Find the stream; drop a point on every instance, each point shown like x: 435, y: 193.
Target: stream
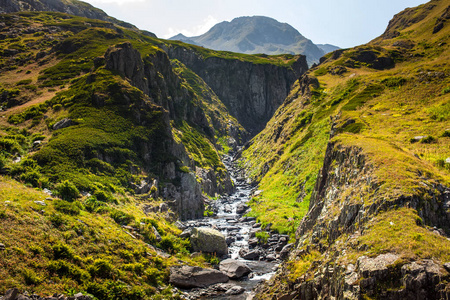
x: 239, y: 231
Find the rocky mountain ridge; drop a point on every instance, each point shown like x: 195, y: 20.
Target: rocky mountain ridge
x: 72, y: 7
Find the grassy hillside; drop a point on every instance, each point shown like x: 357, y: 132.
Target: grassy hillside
x: 72, y: 219
x: 379, y: 96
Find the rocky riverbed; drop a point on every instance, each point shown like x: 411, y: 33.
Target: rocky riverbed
x: 260, y: 256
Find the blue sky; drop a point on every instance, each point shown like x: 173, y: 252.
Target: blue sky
x: 345, y: 23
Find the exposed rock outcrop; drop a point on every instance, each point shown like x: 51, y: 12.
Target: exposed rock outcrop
x: 154, y: 76
x: 337, y: 208
x: 251, y: 91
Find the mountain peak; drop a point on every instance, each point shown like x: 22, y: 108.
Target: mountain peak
x: 256, y: 34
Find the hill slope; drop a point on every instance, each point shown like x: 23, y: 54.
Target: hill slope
x: 105, y: 141
x: 256, y: 34
x: 72, y: 7
x: 356, y: 163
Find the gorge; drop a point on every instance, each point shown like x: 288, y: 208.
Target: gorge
x: 115, y: 153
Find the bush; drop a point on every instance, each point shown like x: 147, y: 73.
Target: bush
x: 91, y: 204
x: 102, y: 268
x: 66, y: 190
x: 57, y: 220
x: 30, y: 277
x: 66, y: 269
x: 262, y: 236
x: 121, y: 217
x: 427, y: 140
x: 62, y: 251
x: 70, y: 208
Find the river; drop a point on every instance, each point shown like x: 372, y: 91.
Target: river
x: 240, y: 234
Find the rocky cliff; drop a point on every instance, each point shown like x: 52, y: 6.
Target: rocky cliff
x: 251, y: 91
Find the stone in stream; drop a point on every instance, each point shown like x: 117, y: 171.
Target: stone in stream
x: 208, y: 240
x: 230, y: 240
x: 233, y: 268
x: 241, y: 209
x: 249, y: 255
x: 192, y: 277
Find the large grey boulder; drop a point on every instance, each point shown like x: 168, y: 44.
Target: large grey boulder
x: 208, y: 240
x: 234, y: 268
x: 192, y: 277
x: 66, y: 122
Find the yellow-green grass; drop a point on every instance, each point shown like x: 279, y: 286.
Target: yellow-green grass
x: 400, y: 231
x: 49, y: 251
x: 388, y: 108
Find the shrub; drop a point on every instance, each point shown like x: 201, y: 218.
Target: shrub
x: 121, y: 217
x: 57, y: 220
x: 102, y: 268
x: 393, y: 82
x: 262, y: 236
x: 30, y: 277
x: 66, y: 269
x: 66, y: 190
x: 24, y: 82
x: 70, y: 208
x: 91, y: 204
x: 62, y: 251
x: 427, y: 140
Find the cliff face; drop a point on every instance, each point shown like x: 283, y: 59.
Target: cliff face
x: 251, y: 92
x: 347, y: 197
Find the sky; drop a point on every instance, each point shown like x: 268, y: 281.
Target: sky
x: 344, y: 23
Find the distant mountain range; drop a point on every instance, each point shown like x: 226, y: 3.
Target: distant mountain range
x: 258, y: 34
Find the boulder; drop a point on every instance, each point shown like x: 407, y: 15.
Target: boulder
x: 241, y: 208
x: 233, y: 268
x: 11, y: 294
x: 250, y: 255
x: 286, y: 250
x: 208, y: 240
x: 192, y: 277
x: 66, y: 122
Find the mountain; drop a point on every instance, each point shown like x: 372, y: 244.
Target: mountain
x: 327, y: 48
x: 108, y: 136
x: 72, y: 7
x: 355, y: 165
x: 256, y: 34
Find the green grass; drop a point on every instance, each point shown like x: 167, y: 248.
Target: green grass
x: 401, y: 231
x: 87, y: 252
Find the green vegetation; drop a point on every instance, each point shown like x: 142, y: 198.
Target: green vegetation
x: 68, y: 248
x: 401, y: 231
x: 262, y: 236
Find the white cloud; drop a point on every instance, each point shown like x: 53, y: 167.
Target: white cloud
x: 207, y: 23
